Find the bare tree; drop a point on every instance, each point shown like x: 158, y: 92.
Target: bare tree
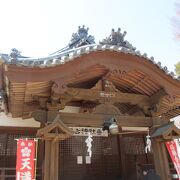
x: 176, y: 25
x: 176, y: 21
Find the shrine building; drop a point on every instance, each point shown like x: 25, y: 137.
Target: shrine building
x: 108, y: 90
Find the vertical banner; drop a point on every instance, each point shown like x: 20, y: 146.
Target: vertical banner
x: 25, y: 163
x: 172, y: 148
x: 177, y: 141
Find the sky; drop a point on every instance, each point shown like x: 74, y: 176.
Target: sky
x: 40, y: 27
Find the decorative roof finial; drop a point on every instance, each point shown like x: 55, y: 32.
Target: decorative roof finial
x: 14, y: 54
x: 117, y: 38
x: 81, y: 37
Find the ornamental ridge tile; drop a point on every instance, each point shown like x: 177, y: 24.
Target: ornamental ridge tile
x: 82, y: 43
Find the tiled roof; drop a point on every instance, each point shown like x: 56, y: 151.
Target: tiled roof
x: 81, y: 43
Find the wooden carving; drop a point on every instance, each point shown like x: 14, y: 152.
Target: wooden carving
x: 40, y: 116
x: 155, y: 103
x: 106, y: 109
x: 108, y: 86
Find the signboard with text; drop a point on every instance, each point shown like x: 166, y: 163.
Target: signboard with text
x: 83, y: 131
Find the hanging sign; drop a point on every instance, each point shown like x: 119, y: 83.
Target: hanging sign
x: 25, y: 163
x: 84, y: 131
x: 107, y: 94
x: 172, y: 148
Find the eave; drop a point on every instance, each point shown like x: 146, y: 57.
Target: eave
x: 129, y: 72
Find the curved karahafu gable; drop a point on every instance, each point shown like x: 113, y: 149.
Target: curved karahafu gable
x: 130, y: 73
x: 82, y: 64
x: 113, y: 61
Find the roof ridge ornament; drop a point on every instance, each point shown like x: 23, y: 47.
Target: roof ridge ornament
x: 14, y: 54
x: 117, y: 38
x: 81, y: 37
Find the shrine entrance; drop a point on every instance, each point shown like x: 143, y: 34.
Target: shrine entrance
x: 105, y: 162
x: 113, y: 158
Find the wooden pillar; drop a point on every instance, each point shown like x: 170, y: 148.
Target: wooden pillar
x: 161, y: 159
x: 47, y: 163
x: 41, y: 156
x: 122, y: 156
x: 51, y: 160
x: 56, y: 162
x: 52, y: 134
x: 165, y: 160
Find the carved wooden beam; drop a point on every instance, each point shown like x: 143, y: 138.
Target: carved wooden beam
x: 155, y: 102
x: 77, y: 94
x: 149, y: 105
x: 96, y: 120
x: 157, y: 99
x: 85, y: 119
